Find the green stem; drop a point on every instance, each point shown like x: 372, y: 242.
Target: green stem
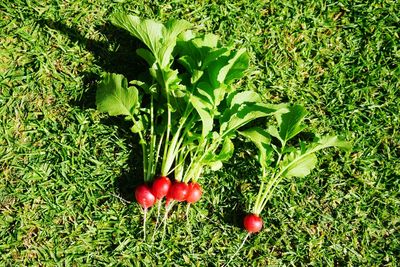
x: 179, y: 166
x: 278, y: 178
x: 166, y: 145
x: 144, y: 151
x: 264, y: 194
x: 194, y: 160
x: 268, y: 194
x: 171, y: 152
x: 153, y: 139
x: 176, y: 142
x: 204, y: 149
x: 160, y: 142
x: 258, y: 204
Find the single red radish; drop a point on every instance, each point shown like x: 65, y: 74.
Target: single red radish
x: 144, y: 196
x: 161, y: 186
x: 194, y: 193
x: 146, y: 199
x: 178, y: 191
x: 160, y: 189
x: 252, y: 223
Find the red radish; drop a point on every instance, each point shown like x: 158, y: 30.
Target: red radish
x: 144, y: 196
x: 178, y: 191
x: 194, y: 193
x: 161, y: 187
x: 252, y: 223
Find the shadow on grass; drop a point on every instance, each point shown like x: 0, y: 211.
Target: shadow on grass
x: 132, y: 176
x: 123, y: 60
x: 116, y: 55
x: 237, y: 175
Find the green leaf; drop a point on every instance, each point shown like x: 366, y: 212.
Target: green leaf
x: 301, y: 162
x: 332, y: 141
x: 298, y: 165
x: 138, y: 126
x: 159, y: 38
x: 273, y: 131
x: 206, y: 99
x: 148, y: 31
x: 224, y: 155
x: 175, y: 27
x: 202, y: 107
x: 239, y: 116
x: 196, y: 76
x: 214, y: 69
x: 211, y: 56
x: 257, y: 135
x: 216, y: 165
x: 289, y: 123
x: 197, y: 53
x: 235, y: 68
x: 115, y: 97
x: 146, y: 55
x: 227, y: 150
x: 212, y: 95
x: 262, y: 140
x: 207, y: 40
x: 238, y: 98
x: 189, y: 63
x: 172, y: 29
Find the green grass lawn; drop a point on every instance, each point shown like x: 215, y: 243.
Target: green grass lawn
x: 63, y: 164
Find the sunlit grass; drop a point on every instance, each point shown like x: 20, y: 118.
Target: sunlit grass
x: 64, y: 167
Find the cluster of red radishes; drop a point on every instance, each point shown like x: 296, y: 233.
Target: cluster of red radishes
x: 148, y: 195
x: 162, y: 187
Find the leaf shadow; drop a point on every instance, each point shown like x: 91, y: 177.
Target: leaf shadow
x: 131, y: 177
x: 237, y: 177
x: 115, y: 54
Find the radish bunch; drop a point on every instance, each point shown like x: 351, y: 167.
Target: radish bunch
x: 162, y: 187
x: 187, y: 109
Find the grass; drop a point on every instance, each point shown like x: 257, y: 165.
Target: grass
x: 62, y: 163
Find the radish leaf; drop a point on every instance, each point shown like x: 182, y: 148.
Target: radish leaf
x: 235, y: 68
x: 146, y: 30
x: 289, y: 123
x: 115, y: 97
x: 300, y: 163
x: 239, y: 115
x: 159, y: 38
x: 262, y: 140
